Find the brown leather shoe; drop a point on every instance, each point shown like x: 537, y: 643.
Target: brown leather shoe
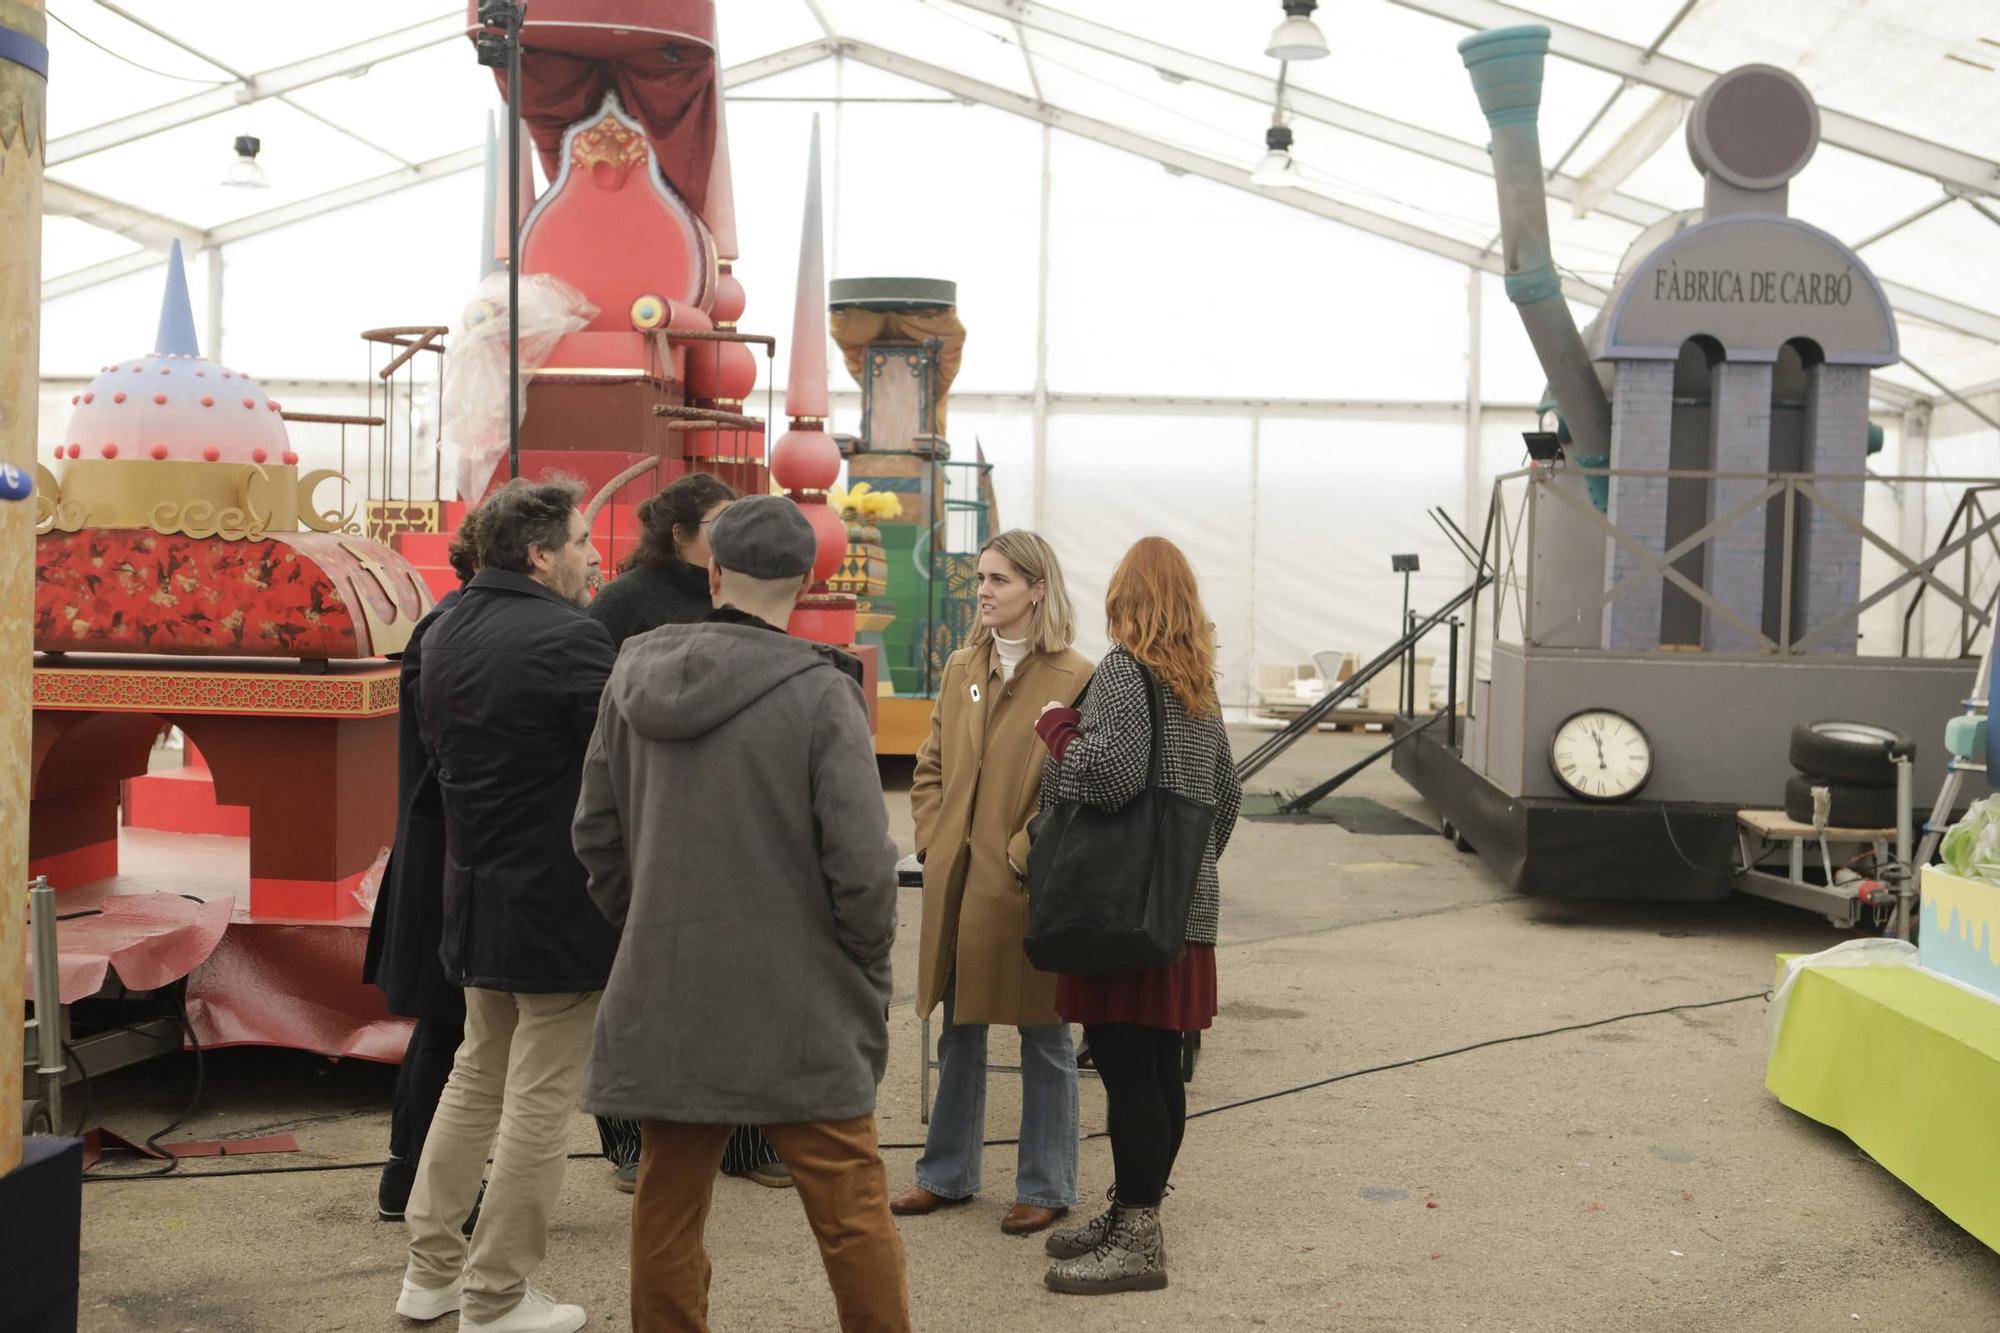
x: 1025, y: 1219
x: 920, y: 1202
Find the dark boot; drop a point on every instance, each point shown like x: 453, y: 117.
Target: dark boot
x: 392, y: 1194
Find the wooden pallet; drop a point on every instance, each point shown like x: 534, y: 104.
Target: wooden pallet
x: 1341, y: 719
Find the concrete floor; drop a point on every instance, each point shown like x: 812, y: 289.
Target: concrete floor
x: 1632, y: 1176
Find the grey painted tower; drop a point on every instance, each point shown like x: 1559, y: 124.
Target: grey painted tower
x: 1737, y: 340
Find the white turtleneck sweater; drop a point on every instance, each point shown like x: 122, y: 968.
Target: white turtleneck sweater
x: 1012, y: 653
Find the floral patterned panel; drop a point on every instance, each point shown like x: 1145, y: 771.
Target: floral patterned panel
x: 134, y: 591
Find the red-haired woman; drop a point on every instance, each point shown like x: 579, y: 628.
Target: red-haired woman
x: 1134, y: 1020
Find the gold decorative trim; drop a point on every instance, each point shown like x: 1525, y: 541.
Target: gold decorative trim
x: 370, y: 692
x: 331, y: 520
x: 233, y: 501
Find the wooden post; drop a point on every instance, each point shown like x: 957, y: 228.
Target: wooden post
x: 23, y: 83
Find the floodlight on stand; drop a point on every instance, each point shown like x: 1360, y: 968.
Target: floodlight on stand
x: 1544, y: 446
x: 1298, y: 37
x: 245, y: 172
x: 1277, y: 166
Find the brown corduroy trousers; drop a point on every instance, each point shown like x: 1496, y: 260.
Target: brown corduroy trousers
x: 837, y: 1168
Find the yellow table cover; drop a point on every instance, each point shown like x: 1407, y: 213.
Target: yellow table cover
x: 1907, y: 1065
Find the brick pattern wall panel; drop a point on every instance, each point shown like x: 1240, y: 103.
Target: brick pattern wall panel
x: 1741, y: 419
x: 1829, y: 552
x: 1641, y: 438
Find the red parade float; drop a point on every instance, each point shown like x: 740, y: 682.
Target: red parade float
x: 187, y: 579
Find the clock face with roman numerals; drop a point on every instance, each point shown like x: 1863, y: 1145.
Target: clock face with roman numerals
x: 1601, y: 755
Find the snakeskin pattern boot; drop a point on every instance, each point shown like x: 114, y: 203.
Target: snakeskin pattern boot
x: 1076, y: 1241
x: 1132, y: 1257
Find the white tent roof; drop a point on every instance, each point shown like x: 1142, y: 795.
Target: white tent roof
x: 145, y: 96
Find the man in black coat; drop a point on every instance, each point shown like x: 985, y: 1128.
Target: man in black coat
x: 408, y: 923
x: 509, y: 693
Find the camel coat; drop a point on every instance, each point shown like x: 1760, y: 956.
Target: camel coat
x: 978, y: 782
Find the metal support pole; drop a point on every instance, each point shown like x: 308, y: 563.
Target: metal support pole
x: 48, y: 998
x: 1906, y: 874
x: 1409, y: 691
x: 1451, y: 688
x: 514, y: 19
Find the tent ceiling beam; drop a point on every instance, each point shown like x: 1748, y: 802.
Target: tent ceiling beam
x: 1300, y: 103
x: 1902, y: 222
x: 1180, y: 159
x: 1947, y: 166
x: 149, y: 229
x: 1654, y: 127
x: 1303, y: 104
x: 1933, y: 309
x: 247, y: 80
x: 269, y: 83
x: 736, y: 76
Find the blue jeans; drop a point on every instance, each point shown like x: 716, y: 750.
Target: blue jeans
x: 1046, y: 1171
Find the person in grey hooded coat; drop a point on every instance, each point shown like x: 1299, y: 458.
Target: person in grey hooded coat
x: 732, y: 824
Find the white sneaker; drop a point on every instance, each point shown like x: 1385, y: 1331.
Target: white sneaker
x: 424, y: 1304
x: 535, y: 1314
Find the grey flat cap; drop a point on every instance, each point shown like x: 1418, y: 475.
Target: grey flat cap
x: 764, y: 536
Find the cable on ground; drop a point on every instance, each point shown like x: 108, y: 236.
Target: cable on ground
x: 1292, y: 1091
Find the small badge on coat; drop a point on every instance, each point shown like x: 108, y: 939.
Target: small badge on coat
x: 975, y: 694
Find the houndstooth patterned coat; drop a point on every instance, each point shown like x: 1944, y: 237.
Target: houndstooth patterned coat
x: 1105, y: 766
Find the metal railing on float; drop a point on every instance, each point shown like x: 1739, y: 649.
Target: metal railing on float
x: 1797, y: 498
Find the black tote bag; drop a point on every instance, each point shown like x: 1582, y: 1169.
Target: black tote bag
x: 1108, y: 890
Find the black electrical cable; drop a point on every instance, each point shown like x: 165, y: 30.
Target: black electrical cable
x: 1192, y: 1115
x: 1668, y: 825
x: 83, y: 1082
x: 160, y: 73
x: 152, y: 1142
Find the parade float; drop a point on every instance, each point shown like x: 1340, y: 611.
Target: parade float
x: 1690, y: 537
x: 194, y: 584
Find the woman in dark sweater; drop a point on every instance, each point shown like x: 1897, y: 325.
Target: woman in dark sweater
x: 665, y: 582
x: 1134, y: 1020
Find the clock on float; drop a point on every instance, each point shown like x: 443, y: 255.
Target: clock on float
x: 1600, y: 754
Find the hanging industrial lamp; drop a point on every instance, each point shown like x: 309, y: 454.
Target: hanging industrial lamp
x: 1277, y: 166
x: 245, y: 171
x: 1298, y: 37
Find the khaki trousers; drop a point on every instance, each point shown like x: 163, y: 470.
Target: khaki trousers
x: 837, y: 1168
x: 516, y: 1076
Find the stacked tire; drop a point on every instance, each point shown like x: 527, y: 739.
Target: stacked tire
x: 1852, y: 761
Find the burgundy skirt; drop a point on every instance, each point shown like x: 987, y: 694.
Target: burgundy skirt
x: 1179, y: 996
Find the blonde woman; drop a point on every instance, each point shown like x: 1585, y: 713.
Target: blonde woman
x: 1099, y: 755
x: 978, y: 783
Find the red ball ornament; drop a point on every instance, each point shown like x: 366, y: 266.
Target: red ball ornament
x: 258, y: 455
x: 831, y: 532
x: 249, y: 402
x: 210, y: 452
x: 159, y: 451
x: 805, y: 460
x: 291, y: 459
x: 730, y: 298
x: 109, y: 450
x: 91, y: 397
x: 75, y: 398
x: 160, y: 400
x: 76, y: 451
x: 118, y: 397
x: 208, y: 400
x: 721, y: 370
